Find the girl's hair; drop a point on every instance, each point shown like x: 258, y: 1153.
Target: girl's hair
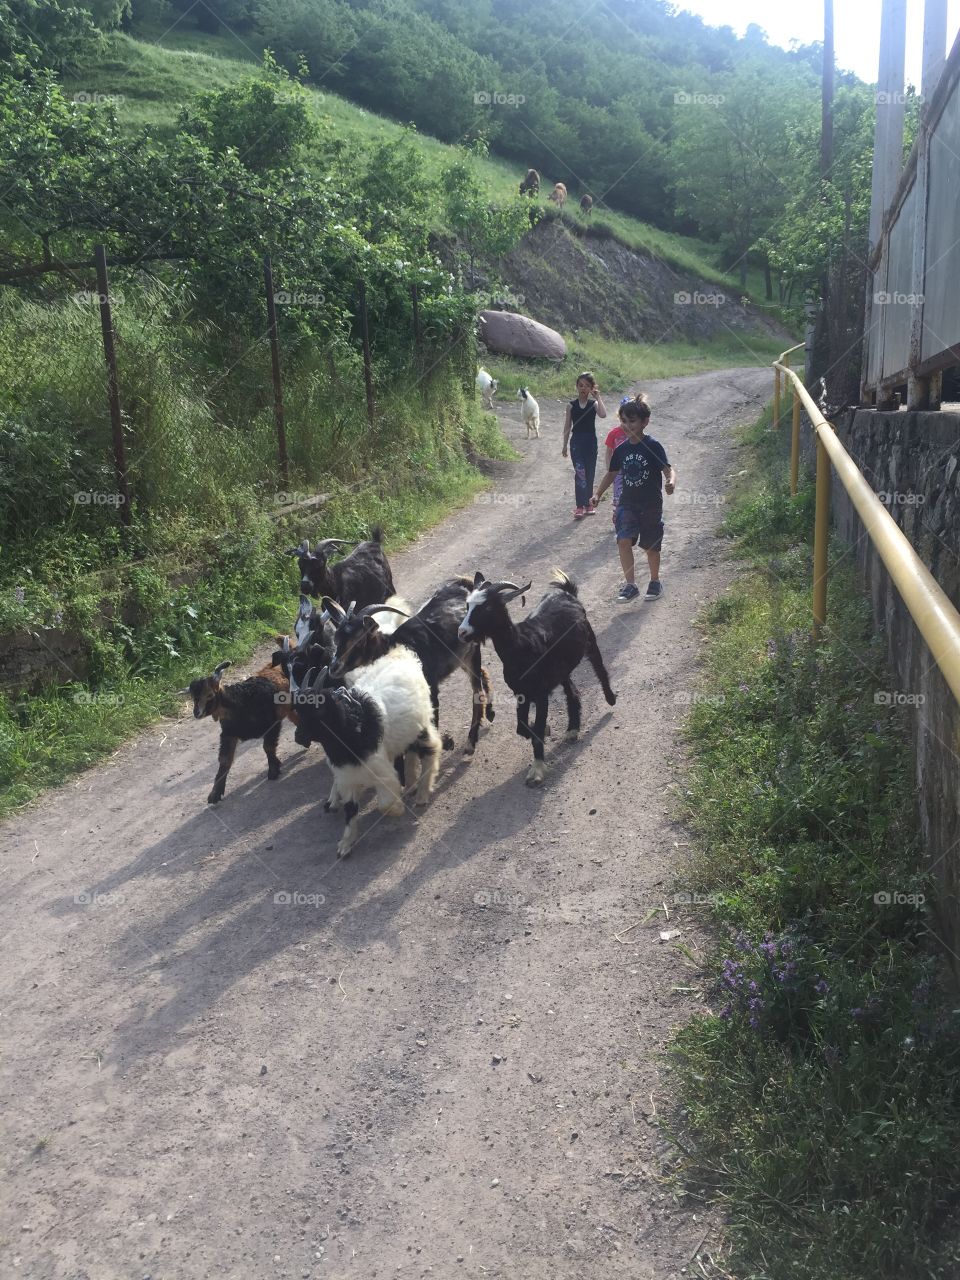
x: 637, y: 408
x: 588, y: 376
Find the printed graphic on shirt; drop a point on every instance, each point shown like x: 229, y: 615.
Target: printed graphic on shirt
x: 640, y: 467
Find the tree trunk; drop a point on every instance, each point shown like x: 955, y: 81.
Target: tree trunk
x: 767, y: 280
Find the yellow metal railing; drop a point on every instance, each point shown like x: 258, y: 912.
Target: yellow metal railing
x: 931, y: 609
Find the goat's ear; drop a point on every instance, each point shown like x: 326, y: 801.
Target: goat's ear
x: 478, y: 579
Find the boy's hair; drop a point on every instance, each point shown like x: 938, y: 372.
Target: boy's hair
x: 588, y: 376
x: 636, y: 409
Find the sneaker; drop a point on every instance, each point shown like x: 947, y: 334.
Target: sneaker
x: 654, y: 591
x: 590, y: 510
x: 579, y: 513
x: 629, y: 591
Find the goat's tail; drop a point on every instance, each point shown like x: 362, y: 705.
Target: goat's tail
x: 595, y: 658
x: 561, y: 580
x: 376, y: 533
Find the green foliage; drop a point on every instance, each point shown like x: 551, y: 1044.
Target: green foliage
x: 486, y: 231
x: 819, y: 1096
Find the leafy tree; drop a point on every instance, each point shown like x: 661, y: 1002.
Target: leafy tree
x: 485, y: 231
x: 735, y: 151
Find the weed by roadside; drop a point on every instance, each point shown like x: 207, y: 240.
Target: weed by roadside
x: 819, y: 1098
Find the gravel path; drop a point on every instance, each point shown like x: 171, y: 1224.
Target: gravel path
x: 433, y: 1059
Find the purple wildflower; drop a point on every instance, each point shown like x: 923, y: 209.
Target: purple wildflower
x: 822, y: 987
x: 19, y: 594
x: 726, y: 1012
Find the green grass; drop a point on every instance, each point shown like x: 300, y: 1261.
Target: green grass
x: 819, y: 1098
x: 155, y: 80
x: 618, y: 365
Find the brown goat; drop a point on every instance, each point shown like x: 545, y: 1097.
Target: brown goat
x: 251, y: 708
x: 530, y: 186
x: 558, y: 195
x: 586, y: 205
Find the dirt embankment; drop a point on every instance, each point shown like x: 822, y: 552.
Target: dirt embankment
x: 584, y: 282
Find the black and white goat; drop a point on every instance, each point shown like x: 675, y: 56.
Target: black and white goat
x: 538, y: 654
x: 363, y: 576
x: 251, y: 708
x: 433, y: 635
x: 383, y: 714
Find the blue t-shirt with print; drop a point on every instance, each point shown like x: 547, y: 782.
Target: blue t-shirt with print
x: 640, y: 466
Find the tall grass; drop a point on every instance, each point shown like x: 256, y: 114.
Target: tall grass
x: 819, y: 1095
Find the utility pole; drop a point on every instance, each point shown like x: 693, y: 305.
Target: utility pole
x: 888, y: 135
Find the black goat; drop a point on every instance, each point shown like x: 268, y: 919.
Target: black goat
x: 363, y: 576
x: 432, y: 634
x: 538, y: 653
x: 251, y: 708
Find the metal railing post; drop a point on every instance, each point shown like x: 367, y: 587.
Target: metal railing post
x: 795, y: 444
x: 776, y: 398
x: 821, y: 539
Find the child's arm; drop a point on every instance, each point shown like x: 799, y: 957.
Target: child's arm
x: 604, y: 485
x: 601, y: 407
x: 567, y: 424
x: 670, y: 479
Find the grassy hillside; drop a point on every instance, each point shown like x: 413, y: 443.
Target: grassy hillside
x: 152, y: 79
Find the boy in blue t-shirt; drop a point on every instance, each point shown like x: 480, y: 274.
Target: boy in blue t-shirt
x: 642, y: 465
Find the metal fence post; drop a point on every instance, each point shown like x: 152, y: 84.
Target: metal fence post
x: 367, y: 364
x: 113, y: 384
x: 278, y: 416
x: 795, y: 443
x: 776, y: 398
x: 821, y: 536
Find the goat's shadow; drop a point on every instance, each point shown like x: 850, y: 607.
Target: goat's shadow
x: 256, y: 895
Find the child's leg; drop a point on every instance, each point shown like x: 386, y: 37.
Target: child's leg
x: 582, y: 494
x: 653, y: 560
x: 625, y: 547
x: 590, y: 468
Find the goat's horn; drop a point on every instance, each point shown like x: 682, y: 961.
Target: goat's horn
x: 218, y: 671
x: 369, y: 610
x: 334, y: 605
x: 286, y: 644
x: 333, y: 542
x: 182, y: 693
x: 504, y: 586
x: 353, y: 605
x: 509, y: 591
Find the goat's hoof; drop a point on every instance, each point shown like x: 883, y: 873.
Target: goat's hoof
x: 331, y: 806
x: 448, y: 742
x: 572, y: 735
x: 343, y: 853
x: 273, y: 773
x: 536, y: 774
x: 395, y: 810
x: 214, y: 797
x: 469, y: 750
x: 421, y: 802
x: 489, y: 713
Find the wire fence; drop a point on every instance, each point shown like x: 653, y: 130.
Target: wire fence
x: 121, y: 402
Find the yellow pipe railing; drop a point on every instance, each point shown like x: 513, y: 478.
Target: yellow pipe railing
x: 932, y: 611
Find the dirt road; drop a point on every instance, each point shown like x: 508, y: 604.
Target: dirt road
x: 224, y: 1054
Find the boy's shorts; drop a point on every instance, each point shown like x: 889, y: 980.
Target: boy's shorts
x: 643, y: 527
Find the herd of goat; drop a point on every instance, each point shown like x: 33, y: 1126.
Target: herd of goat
x: 360, y: 675
x: 530, y: 186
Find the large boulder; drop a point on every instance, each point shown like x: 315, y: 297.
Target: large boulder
x: 511, y: 334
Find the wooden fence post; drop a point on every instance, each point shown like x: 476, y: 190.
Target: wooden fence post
x: 278, y: 416
x: 113, y: 384
x: 367, y: 364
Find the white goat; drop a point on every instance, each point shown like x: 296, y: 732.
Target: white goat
x: 383, y: 713
x: 487, y: 386
x: 529, y: 412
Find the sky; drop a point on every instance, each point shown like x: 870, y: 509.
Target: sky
x: 856, y: 25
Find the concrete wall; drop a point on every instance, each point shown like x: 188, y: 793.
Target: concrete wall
x: 914, y: 460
